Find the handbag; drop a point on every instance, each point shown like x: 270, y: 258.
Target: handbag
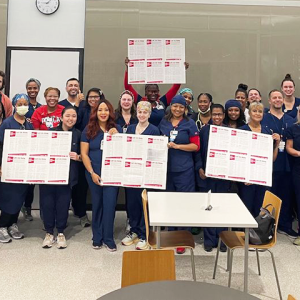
x: 265, y: 231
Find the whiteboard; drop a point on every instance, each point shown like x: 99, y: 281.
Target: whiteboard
x: 51, y: 68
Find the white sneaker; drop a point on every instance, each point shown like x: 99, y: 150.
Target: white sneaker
x: 129, y: 239
x: 4, y: 236
x: 48, y: 241
x: 142, y: 245
x: 61, y: 241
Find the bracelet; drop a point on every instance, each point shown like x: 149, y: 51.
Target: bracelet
x: 92, y: 172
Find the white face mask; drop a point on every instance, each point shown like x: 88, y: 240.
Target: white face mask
x: 22, y: 110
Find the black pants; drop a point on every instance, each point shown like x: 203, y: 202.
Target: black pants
x: 6, y: 220
x: 79, y: 193
x: 29, y: 196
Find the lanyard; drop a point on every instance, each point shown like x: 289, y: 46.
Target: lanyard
x: 282, y: 126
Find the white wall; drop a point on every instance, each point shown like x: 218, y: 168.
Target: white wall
x: 27, y: 27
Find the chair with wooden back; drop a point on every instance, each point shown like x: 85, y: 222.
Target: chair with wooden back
x: 169, y: 239
x: 236, y: 239
x: 147, y: 265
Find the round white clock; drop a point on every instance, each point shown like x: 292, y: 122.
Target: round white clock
x: 47, y: 7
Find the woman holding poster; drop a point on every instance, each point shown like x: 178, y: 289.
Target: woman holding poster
x: 104, y: 198
x: 12, y: 195
x: 251, y: 194
x: 134, y: 199
x: 55, y: 199
x: 183, y: 141
x: 206, y: 184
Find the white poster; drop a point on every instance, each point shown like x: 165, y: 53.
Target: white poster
x: 36, y: 157
x: 156, y: 61
x: 138, y: 161
x: 240, y: 155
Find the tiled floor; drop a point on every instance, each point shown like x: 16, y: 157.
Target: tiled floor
x: 80, y: 272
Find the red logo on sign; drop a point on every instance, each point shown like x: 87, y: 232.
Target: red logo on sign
x: 214, y: 129
x: 109, y: 138
x: 12, y: 133
x: 34, y: 134
x: 149, y: 42
x: 167, y: 64
x: 54, y: 135
x: 149, y: 64
x: 131, y: 64
x: 31, y: 160
x: 254, y: 136
x: 10, y: 159
x: 252, y: 161
x: 233, y: 132
x: 107, y: 163
x: 129, y: 139
x: 232, y: 157
x: 211, y: 154
x: 52, y: 160
x: 148, y: 164
x: 131, y: 42
x: 127, y: 164
x: 150, y: 141
x: 168, y: 42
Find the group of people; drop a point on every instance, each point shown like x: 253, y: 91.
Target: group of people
x: 170, y: 115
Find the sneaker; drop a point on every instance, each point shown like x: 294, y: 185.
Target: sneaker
x: 297, y: 241
x: 14, y: 232
x: 48, y: 241
x: 96, y: 246
x: 26, y: 211
x: 142, y: 245
x: 85, y: 222
x: 208, y: 248
x: 290, y: 233
x: 129, y: 239
x: 223, y: 248
x: 4, y: 236
x: 111, y: 249
x: 61, y: 241
x: 180, y: 250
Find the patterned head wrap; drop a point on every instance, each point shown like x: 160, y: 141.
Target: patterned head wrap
x: 17, y: 97
x: 187, y: 90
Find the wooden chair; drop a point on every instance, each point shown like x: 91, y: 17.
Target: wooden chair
x: 147, y: 265
x: 290, y: 297
x: 236, y: 239
x: 169, y: 239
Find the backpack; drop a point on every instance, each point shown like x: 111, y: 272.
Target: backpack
x: 265, y: 231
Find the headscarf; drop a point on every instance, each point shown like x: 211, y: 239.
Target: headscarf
x: 17, y: 97
x: 187, y: 90
x: 233, y: 103
x: 178, y: 99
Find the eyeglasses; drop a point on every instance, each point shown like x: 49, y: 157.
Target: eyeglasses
x: 94, y: 97
x: 216, y: 115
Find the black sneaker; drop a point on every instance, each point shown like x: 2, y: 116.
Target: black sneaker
x: 208, y: 248
x: 289, y: 232
x: 223, y: 248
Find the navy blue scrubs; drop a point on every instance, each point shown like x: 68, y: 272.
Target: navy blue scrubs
x: 12, y: 195
x: 282, y: 183
x: 293, y: 133
x: 31, y: 110
x: 55, y: 199
x: 120, y: 121
x: 104, y: 198
x: 211, y: 234
x: 134, y: 200
x: 180, y: 174
x: 253, y: 195
x: 293, y: 112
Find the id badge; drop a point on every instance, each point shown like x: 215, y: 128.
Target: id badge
x: 281, y: 146
x: 173, y: 135
x: 101, y: 145
x: 124, y: 129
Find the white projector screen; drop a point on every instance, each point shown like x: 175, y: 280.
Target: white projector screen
x: 51, y: 68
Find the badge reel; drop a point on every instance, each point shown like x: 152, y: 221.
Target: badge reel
x: 281, y: 146
x: 101, y: 145
x: 173, y: 135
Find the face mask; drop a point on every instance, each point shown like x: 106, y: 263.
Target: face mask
x: 203, y: 112
x: 22, y: 110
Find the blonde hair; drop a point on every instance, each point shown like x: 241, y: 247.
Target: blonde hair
x: 144, y: 105
x: 256, y: 104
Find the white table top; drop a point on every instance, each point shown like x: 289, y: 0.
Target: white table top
x: 188, y: 210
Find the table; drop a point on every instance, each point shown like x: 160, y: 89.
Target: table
x: 177, y: 290
x: 188, y: 210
